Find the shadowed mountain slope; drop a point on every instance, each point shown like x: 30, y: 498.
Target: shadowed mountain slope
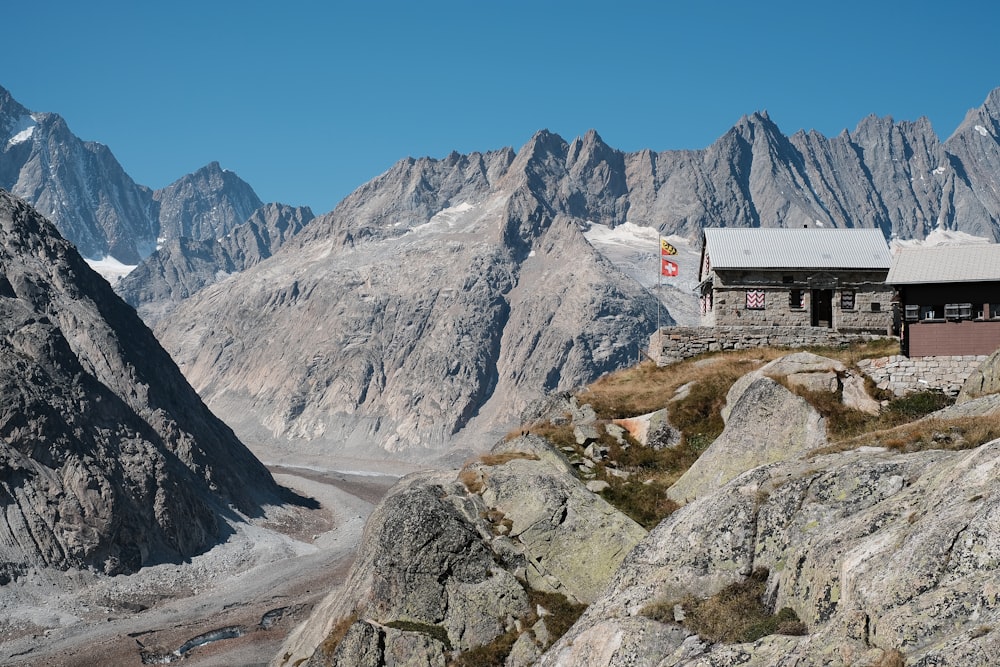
x: 109, y: 458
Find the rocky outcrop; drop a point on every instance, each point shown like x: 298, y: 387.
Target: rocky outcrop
x: 883, y: 556
x: 983, y: 381
x: 447, y: 563
x: 109, y: 460
x: 767, y: 423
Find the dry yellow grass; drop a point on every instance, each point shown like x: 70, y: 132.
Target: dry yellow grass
x: 506, y: 457
x: 646, y: 387
x: 930, y: 433
x: 474, y: 479
x: 891, y: 658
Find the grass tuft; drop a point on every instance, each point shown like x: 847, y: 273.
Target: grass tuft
x: 891, y: 658
x: 734, y: 615
x: 435, y: 631
x: 506, y: 457
x: 337, y: 634
x: 562, y: 613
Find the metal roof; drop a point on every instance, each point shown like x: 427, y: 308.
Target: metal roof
x: 797, y: 248
x: 945, y: 264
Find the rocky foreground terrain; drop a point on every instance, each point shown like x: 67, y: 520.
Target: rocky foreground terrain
x: 872, y: 555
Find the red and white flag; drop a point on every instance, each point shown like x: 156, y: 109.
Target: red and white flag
x: 668, y: 268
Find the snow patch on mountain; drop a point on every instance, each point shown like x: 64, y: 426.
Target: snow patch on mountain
x: 635, y: 251
x: 110, y: 268
x: 449, y: 219
x: 940, y: 236
x: 22, y: 130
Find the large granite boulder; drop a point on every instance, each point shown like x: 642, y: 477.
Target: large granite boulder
x: 984, y: 380
x: 446, y: 561
x: 767, y: 423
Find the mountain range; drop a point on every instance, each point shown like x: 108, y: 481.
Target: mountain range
x: 439, y: 299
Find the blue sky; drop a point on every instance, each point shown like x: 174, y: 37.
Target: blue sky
x: 308, y: 100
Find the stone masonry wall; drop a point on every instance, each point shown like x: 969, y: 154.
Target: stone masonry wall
x: 869, y: 309
x: 899, y: 374
x: 671, y: 344
x: 903, y: 375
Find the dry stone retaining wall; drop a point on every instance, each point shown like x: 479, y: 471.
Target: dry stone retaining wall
x: 672, y: 344
x: 899, y: 374
x: 903, y: 375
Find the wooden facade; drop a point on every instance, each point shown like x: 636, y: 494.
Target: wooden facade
x: 950, y: 319
x: 949, y: 299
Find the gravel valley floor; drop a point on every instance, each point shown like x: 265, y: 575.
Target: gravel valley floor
x: 259, y: 584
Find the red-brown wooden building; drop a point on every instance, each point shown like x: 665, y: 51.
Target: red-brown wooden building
x: 949, y: 299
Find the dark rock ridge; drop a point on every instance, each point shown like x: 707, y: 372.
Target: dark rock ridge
x: 108, y: 458
x: 182, y: 266
x: 85, y: 192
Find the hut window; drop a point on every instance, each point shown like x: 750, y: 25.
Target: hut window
x: 847, y: 299
x: 958, y: 311
x: 795, y: 299
x: 876, y: 307
x: 755, y: 299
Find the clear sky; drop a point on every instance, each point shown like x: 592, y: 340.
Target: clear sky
x: 306, y: 100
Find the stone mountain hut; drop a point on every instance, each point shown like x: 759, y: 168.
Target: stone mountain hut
x: 809, y: 277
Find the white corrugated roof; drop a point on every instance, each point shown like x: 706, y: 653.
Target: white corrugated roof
x: 797, y: 248
x: 978, y: 262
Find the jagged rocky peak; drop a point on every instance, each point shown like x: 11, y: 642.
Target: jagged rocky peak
x: 78, y: 185
x: 436, y: 269
x: 205, y: 204
x: 410, y: 193
x: 983, y: 120
x: 108, y: 458
x: 600, y: 179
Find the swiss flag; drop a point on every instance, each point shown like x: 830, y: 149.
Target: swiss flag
x: 668, y: 268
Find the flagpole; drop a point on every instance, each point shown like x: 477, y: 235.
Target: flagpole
x: 659, y: 277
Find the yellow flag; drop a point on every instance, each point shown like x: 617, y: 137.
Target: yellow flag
x: 666, y: 248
